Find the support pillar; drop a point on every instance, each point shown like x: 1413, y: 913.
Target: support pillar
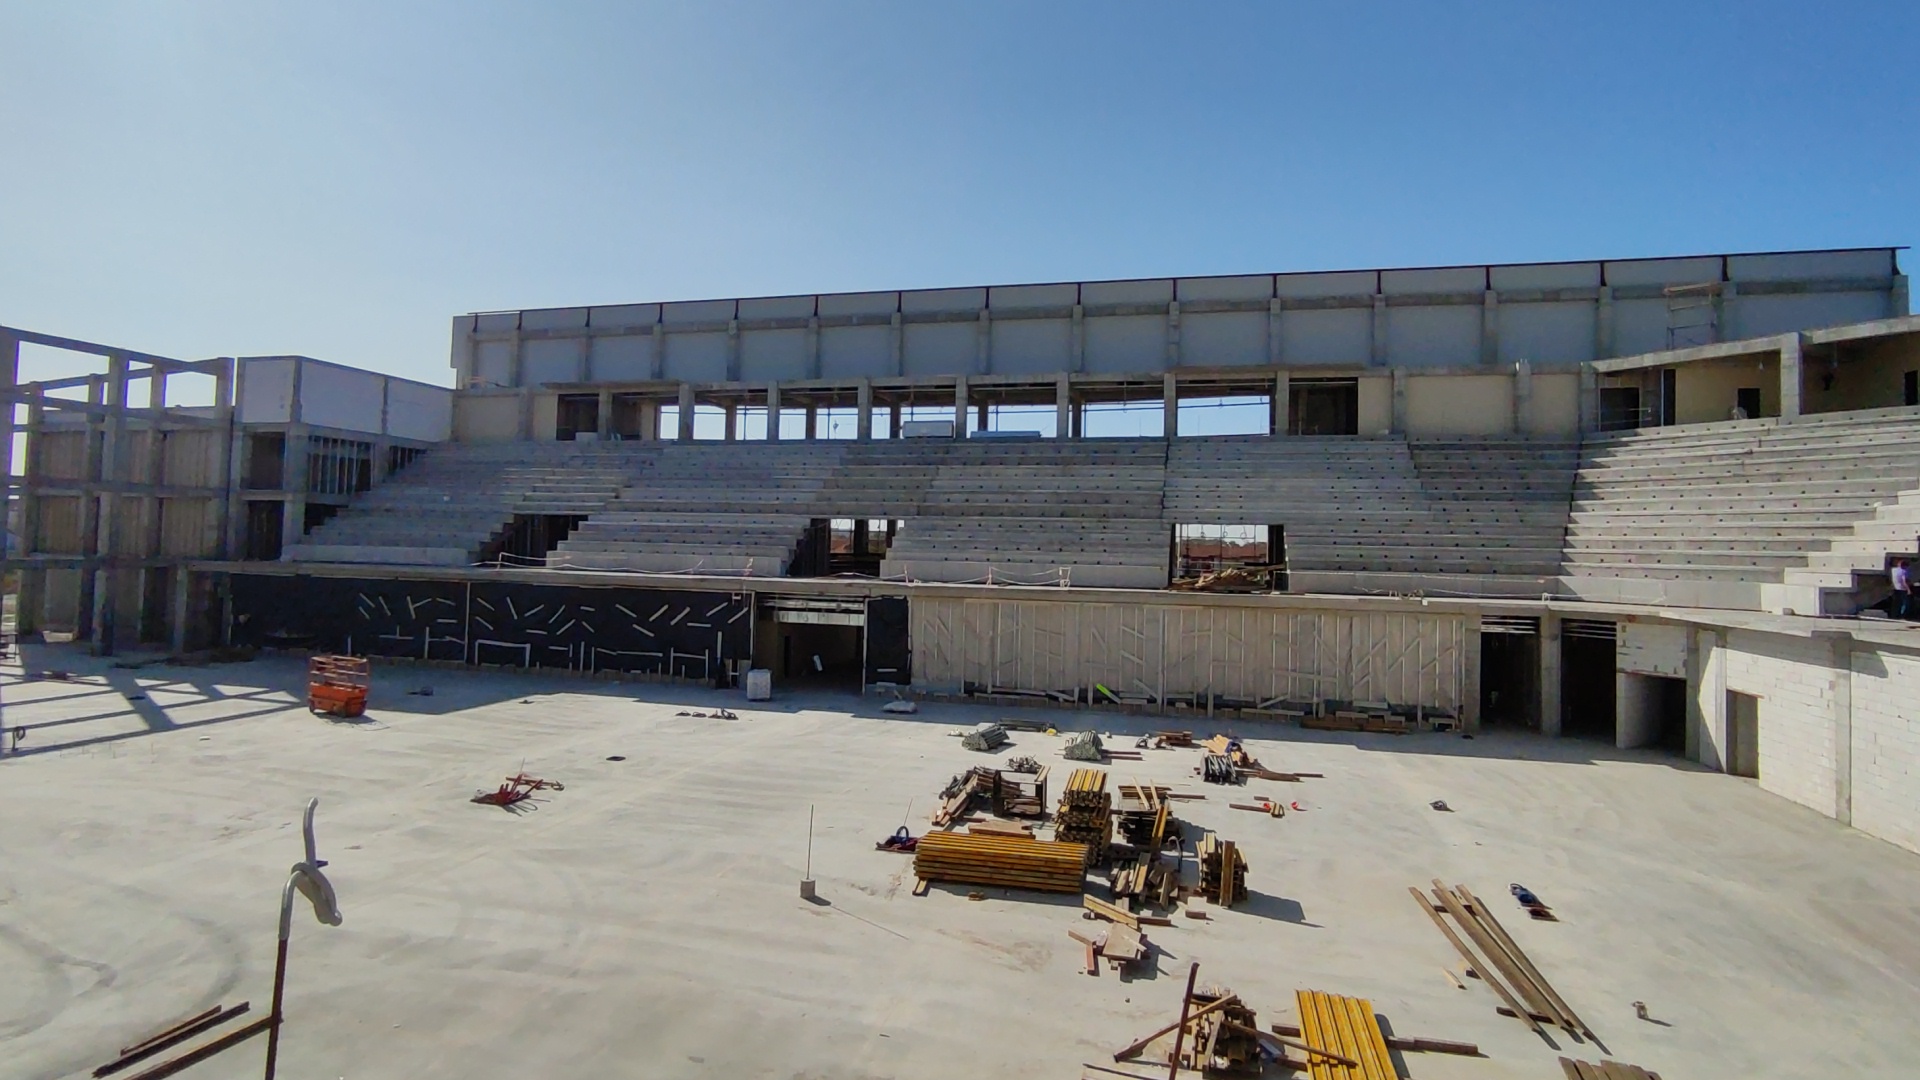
x: 813, y: 421
x: 1790, y: 378
x: 113, y: 472
x: 603, y: 423
x: 773, y: 412
x: 154, y: 594
x: 1490, y: 327
x: 1522, y: 397
x: 1062, y: 407
x: 229, y: 388
x: 1470, y: 676
x: 686, y: 412
x: 1603, y: 324
x: 32, y: 600
x: 1550, y: 707
x: 732, y: 414
x: 960, y: 407
x: 90, y: 511
x: 1399, y: 401
x: 293, y: 468
x: 980, y: 414
x: 1280, y: 408
x: 1842, y: 676
x: 1589, y: 399
x: 1377, y: 347
x: 863, y: 411
x: 893, y: 420
x: 1169, y: 405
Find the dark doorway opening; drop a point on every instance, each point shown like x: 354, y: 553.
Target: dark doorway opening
x: 889, y: 645
x: 1743, y: 735
x: 1587, y: 679
x: 1323, y: 407
x: 818, y: 653
x: 1747, y: 400
x: 578, y: 413
x: 532, y: 536
x: 318, y: 514
x: 264, y: 521
x: 1670, y: 713
x: 266, y: 461
x: 1619, y: 408
x: 1510, y: 671
x: 1669, y: 396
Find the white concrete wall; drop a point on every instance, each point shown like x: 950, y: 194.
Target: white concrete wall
x: 1797, y: 687
x: 1885, y: 746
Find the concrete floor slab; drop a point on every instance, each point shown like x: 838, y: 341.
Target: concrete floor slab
x: 646, y: 921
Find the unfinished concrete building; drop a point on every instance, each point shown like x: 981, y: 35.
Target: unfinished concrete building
x: 1620, y: 500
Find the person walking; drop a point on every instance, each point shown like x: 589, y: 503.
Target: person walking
x: 1902, y: 582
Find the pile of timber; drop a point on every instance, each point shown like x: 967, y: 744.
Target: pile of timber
x: 1223, y: 871
x: 1005, y: 861
x: 1229, y: 579
x: 1506, y: 969
x: 1013, y: 794
x: 958, y: 796
x: 1146, y: 879
x: 1086, y: 812
x: 1344, y: 1036
x: 1606, y: 1070
x: 1363, y: 716
x: 1226, y: 1039
x: 1173, y: 738
x: 1143, y: 817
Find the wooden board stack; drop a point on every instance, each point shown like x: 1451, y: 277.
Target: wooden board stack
x: 1223, y: 871
x: 1346, y: 1027
x: 1227, y: 1039
x: 1086, y: 813
x: 1009, y: 862
x: 1506, y: 969
x: 1606, y: 1070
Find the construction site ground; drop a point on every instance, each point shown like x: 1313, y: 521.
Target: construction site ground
x: 646, y: 921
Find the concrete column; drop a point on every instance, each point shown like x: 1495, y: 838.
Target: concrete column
x: 1589, y: 399
x: 1280, y: 408
x: 983, y: 342
x: 1707, y: 686
x: 1399, y: 401
x: 650, y: 420
x: 960, y: 407
x: 1897, y: 297
x: 863, y: 411
x: 526, y: 413
x: 733, y: 345
x: 893, y: 420
x: 1169, y: 405
x: 1470, y: 676
x: 516, y: 360
x: 981, y: 417
x: 9, y: 378
x: 1378, y: 337
x: 1173, y: 334
x: 1790, y: 377
x: 657, y: 362
x: 1603, y: 323
x: 293, y: 472
x: 773, y: 412
x: 1842, y: 675
x: 732, y: 414
x: 1490, y: 327
x: 1726, y: 312
x: 604, y: 426
x: 113, y: 471
x: 1550, y: 674
x: 897, y: 343
x: 90, y: 509
x: 1062, y: 407
x: 229, y: 388
x: 1077, y: 338
x: 686, y: 404
x: 153, y: 447
x: 33, y: 580
x: 1274, y: 340
x: 180, y: 609
x: 813, y: 352
x: 1522, y: 396
x: 813, y: 421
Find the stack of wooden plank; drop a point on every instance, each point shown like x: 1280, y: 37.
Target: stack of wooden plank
x: 1009, y: 862
x: 1145, y: 878
x: 1086, y: 813
x: 1173, y: 738
x: 1606, y: 1070
x: 1343, y: 1028
x: 1223, y: 871
x: 957, y: 797
x: 1506, y: 969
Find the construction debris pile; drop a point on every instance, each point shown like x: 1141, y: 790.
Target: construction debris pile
x: 517, y: 789
x: 1230, y: 579
x: 1009, y: 862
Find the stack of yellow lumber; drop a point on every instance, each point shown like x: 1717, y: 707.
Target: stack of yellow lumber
x: 1348, y: 1030
x: 1086, y: 812
x: 1009, y: 862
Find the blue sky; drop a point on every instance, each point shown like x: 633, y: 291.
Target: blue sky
x: 340, y: 179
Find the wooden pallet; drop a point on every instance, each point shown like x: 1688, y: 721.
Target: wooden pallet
x: 1008, y: 862
x: 1347, y: 1027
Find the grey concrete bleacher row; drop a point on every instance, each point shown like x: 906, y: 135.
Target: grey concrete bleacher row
x: 1484, y: 506
x: 1743, y: 501
x: 447, y: 506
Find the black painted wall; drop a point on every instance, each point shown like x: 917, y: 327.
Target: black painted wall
x: 579, y: 628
